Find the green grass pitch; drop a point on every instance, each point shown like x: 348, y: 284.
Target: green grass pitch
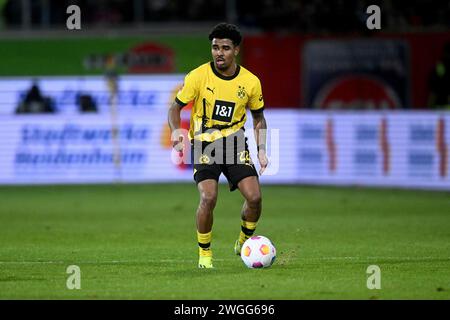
x: 139, y: 242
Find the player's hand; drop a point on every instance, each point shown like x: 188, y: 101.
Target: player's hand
x: 263, y: 161
x: 179, y: 145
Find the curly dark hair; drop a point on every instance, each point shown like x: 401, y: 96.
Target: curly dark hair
x: 226, y: 31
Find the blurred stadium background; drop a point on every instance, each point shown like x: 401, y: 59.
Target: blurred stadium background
x: 366, y: 107
x: 351, y: 107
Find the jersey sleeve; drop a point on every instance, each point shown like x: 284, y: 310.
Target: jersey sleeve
x: 256, y: 101
x: 189, y: 91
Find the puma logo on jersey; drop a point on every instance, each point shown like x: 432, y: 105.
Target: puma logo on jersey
x: 209, y: 89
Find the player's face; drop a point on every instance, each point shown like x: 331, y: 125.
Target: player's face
x: 224, y: 53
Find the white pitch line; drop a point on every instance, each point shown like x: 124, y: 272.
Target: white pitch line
x: 379, y: 258
x: 103, y: 262
x: 298, y: 258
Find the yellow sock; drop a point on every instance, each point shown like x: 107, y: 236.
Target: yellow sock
x: 204, y: 244
x: 247, y: 230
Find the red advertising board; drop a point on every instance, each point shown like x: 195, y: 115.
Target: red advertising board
x: 277, y: 60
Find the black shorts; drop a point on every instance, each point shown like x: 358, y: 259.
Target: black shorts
x: 229, y: 156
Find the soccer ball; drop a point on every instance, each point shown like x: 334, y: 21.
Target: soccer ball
x: 258, y: 252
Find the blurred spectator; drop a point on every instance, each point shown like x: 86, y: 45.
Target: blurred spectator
x: 35, y: 102
x: 86, y: 103
x: 341, y: 16
x: 2, y: 13
x: 439, y: 82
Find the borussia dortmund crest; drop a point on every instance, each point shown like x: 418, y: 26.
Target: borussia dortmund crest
x: 204, y: 159
x: 241, y: 92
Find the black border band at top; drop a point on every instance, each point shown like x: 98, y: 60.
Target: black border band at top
x: 181, y: 103
x: 258, y: 110
x: 221, y: 76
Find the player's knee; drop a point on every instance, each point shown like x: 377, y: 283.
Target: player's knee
x: 254, y: 200
x: 208, y: 199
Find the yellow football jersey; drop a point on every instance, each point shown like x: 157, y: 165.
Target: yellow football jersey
x: 220, y: 102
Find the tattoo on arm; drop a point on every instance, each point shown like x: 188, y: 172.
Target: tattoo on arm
x: 174, y: 118
x: 260, y: 128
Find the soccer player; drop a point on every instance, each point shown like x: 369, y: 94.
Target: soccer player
x: 222, y: 90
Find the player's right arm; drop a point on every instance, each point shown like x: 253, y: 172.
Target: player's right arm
x: 174, y: 119
x: 188, y: 93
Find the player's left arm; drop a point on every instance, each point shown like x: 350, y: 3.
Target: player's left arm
x: 256, y: 106
x: 260, y: 131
